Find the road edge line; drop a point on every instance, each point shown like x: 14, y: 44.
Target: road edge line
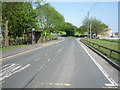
x: 99, y: 66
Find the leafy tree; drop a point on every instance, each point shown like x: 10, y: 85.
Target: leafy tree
x: 7, y: 11
x: 69, y: 29
x: 49, y: 18
x: 82, y: 29
x: 97, y: 26
x: 22, y: 20
x: 18, y: 17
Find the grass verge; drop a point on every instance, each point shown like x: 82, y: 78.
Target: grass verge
x: 114, y: 56
x: 11, y: 47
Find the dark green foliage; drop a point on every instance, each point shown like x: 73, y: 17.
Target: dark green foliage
x: 82, y: 29
x: 69, y: 29
x: 22, y: 18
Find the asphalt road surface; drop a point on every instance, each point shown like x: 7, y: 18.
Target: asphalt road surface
x: 62, y: 65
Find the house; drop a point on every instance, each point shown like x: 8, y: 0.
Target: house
x: 107, y: 34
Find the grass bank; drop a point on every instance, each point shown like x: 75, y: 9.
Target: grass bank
x: 11, y: 47
x: 109, y: 44
x: 113, y: 44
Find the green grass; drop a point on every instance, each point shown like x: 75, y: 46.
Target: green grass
x: 50, y: 36
x: 63, y: 33
x: 60, y: 33
x: 11, y: 47
x: 112, y: 45
x: 114, y: 56
x: 112, y: 40
x: 77, y: 33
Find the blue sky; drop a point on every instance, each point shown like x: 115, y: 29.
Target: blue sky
x: 75, y: 12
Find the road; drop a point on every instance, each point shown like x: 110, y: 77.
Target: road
x: 62, y: 65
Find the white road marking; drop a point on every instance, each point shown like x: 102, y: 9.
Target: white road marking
x: 38, y: 59
x: 109, y: 85
x: 100, y: 67
x: 9, y: 66
x: 60, y: 49
x: 10, y: 69
x: 23, y: 68
x: 49, y: 60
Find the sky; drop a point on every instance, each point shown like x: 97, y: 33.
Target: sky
x: 75, y: 12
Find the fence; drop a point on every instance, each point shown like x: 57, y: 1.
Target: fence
x: 111, y: 50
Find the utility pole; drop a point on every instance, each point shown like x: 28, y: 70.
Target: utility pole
x: 90, y: 30
x: 89, y: 27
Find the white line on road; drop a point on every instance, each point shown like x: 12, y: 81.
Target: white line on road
x: 100, y: 67
x: 109, y: 85
x: 11, y: 69
x: 38, y: 59
x: 23, y: 68
x: 8, y: 71
x: 60, y: 49
x: 49, y: 60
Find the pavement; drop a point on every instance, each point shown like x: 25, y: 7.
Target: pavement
x: 67, y: 64
x: 14, y: 51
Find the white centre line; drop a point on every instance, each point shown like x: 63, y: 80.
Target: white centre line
x: 38, y: 59
x: 60, y: 49
x: 49, y: 60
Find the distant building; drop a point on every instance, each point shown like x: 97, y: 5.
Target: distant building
x: 107, y: 34
x: 116, y: 34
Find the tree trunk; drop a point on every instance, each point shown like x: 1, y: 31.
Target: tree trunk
x: 6, y: 38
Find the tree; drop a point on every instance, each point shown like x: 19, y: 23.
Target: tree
x: 82, y: 29
x: 97, y: 26
x: 22, y: 20
x: 7, y: 12
x: 49, y: 18
x: 69, y: 29
x: 18, y: 18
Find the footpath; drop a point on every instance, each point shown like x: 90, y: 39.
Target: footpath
x: 14, y: 51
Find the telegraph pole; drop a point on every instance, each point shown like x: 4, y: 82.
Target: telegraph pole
x: 90, y: 30
x: 89, y: 27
